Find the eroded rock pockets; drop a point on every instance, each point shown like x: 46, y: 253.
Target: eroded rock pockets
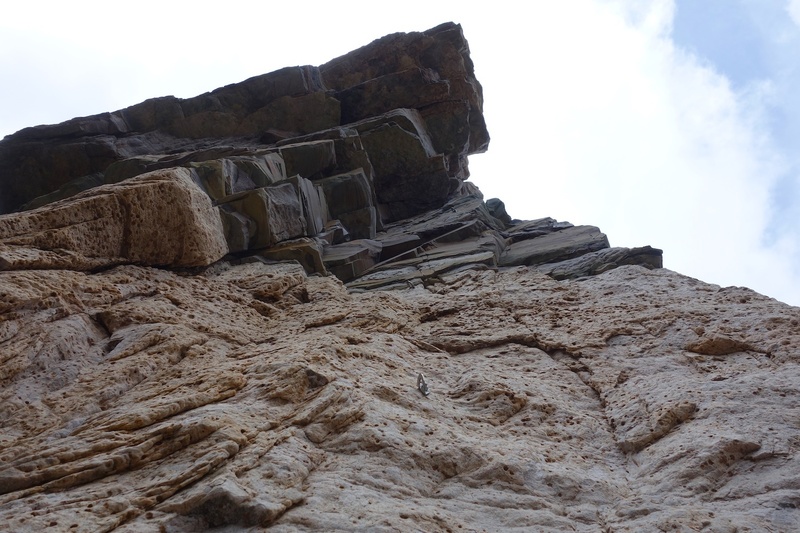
x: 199, y: 412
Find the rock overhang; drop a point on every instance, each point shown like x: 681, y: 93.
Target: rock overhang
x: 368, y: 152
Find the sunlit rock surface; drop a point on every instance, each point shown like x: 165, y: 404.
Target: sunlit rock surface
x: 280, y: 305
x: 252, y: 395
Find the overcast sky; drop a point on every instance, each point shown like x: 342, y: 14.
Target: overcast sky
x: 673, y: 123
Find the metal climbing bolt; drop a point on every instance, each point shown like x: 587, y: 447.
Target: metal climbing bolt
x: 422, y: 385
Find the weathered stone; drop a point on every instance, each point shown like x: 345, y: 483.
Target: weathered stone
x: 402, y: 168
x: 312, y: 201
x: 263, y: 169
x: 190, y: 402
x: 459, y: 214
x: 528, y: 229
x: 275, y: 210
x: 221, y: 178
x: 594, y: 263
x: 70, y: 188
x: 151, y: 114
x: 35, y: 168
x: 443, y: 50
x: 349, y: 260
x: 474, y: 396
x: 432, y: 259
x: 412, y: 88
x: 397, y: 244
x: 349, y: 199
x: 239, y: 228
x: 334, y: 233
x: 160, y: 218
x: 298, y: 114
x: 309, y: 159
x: 307, y: 252
x: 556, y: 246
x: 498, y: 210
x: 447, y: 124
x: 269, y: 108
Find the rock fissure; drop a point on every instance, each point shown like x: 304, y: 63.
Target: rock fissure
x: 281, y: 304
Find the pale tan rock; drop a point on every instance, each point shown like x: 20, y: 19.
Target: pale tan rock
x: 253, y: 397
x: 159, y: 218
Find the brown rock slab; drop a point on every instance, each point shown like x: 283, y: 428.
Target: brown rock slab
x: 160, y: 218
x: 252, y: 396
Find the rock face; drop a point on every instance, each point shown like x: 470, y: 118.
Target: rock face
x: 356, y: 167
x: 280, y: 305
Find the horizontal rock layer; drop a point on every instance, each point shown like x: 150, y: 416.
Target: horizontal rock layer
x: 429, y: 75
x: 279, y: 304
x: 354, y: 168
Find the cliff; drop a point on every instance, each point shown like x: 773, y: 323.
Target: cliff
x: 282, y: 305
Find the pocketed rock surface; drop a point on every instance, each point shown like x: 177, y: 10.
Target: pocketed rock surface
x: 281, y: 306
x: 252, y: 396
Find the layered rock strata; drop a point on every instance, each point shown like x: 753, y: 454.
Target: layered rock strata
x: 356, y: 167
x: 197, y: 330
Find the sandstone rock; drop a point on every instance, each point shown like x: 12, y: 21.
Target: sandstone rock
x: 498, y: 210
x: 222, y: 178
x: 177, y: 353
x: 160, y: 218
x: 307, y: 252
x: 349, y: 198
x: 309, y: 159
x: 443, y: 50
x: 252, y: 396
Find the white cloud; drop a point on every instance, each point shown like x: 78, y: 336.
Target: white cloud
x: 622, y: 130
x: 793, y: 8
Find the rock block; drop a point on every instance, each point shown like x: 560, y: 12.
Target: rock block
x: 160, y: 218
x: 221, y: 178
x: 349, y: 199
x: 263, y: 169
x: 593, y: 263
x: 275, y: 211
x: 313, y: 203
x: 309, y: 159
x: 307, y: 252
x: 556, y: 246
x: 239, y: 229
x: 403, y: 168
x: 412, y: 88
x: 349, y: 260
x: 296, y: 114
x: 443, y: 50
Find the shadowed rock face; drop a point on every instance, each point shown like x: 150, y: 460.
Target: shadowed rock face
x: 428, y: 72
x: 279, y: 304
x: 356, y: 167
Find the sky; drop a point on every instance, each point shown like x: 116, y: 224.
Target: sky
x: 670, y: 123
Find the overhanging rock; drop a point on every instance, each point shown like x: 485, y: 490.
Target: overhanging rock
x: 357, y: 167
